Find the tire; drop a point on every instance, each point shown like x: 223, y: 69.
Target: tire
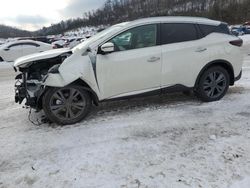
x: 1, y: 59
x: 213, y: 84
x: 67, y: 105
x: 187, y: 92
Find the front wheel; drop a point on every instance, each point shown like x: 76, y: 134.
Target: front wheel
x: 213, y: 84
x: 66, y: 105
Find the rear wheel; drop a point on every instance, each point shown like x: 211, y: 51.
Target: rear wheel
x: 67, y: 105
x: 213, y: 84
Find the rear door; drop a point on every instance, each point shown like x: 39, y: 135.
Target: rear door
x: 13, y: 52
x: 30, y: 48
x: 184, y: 53
x: 135, y: 65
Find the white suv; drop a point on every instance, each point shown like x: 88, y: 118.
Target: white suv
x: 153, y: 55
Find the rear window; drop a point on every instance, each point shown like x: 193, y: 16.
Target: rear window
x: 208, y: 29
x: 178, y: 32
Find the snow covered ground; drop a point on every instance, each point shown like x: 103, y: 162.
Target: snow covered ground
x: 171, y: 141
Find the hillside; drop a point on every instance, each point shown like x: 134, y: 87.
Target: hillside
x: 114, y: 11
x: 7, y: 31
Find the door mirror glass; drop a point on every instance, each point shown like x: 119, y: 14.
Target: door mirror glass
x: 108, y: 47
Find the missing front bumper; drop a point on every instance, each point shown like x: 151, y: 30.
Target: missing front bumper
x: 26, y: 90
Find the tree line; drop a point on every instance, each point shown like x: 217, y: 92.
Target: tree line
x: 115, y: 11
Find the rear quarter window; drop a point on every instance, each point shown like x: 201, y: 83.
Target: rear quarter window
x: 208, y: 29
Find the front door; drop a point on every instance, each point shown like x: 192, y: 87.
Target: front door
x: 135, y: 65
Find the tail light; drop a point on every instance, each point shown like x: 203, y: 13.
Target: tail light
x: 54, y: 47
x: 238, y: 42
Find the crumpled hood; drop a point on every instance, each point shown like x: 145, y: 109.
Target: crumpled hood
x: 25, y: 60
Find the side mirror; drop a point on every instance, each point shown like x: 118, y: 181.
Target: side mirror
x: 108, y: 47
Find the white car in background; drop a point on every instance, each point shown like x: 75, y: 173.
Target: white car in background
x: 138, y: 58
x: 13, y: 50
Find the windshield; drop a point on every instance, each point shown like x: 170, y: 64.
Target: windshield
x: 98, y: 36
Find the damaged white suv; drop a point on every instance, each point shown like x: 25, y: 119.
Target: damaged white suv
x: 146, y: 56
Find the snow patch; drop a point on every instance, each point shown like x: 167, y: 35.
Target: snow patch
x: 149, y: 142
x: 213, y: 137
x: 245, y: 183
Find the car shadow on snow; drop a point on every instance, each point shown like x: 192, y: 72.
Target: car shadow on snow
x: 152, y: 102
x: 107, y: 110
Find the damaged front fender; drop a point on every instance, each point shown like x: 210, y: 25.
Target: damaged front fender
x: 78, y: 66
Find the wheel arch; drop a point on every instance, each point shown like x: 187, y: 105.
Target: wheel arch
x: 86, y: 87
x: 222, y: 63
x: 79, y: 82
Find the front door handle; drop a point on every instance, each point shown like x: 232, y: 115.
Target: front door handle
x: 200, y: 49
x: 154, y: 59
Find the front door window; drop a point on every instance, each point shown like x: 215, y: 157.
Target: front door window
x: 139, y: 37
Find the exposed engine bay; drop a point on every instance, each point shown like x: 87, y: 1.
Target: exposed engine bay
x: 29, y: 83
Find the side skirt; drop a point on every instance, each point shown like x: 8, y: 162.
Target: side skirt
x: 171, y: 89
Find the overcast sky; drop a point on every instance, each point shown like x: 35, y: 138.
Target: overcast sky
x: 34, y: 14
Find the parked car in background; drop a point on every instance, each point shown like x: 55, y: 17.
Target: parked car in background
x: 72, y: 42
x: 13, y: 50
x: 239, y: 30
x: 60, y: 43
x: 41, y: 39
x: 247, y: 23
x: 146, y: 56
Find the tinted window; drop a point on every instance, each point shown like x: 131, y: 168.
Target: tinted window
x: 25, y: 44
x: 15, y: 45
x: 30, y: 44
x: 178, y: 32
x: 139, y: 37
x: 223, y: 28
x: 208, y: 29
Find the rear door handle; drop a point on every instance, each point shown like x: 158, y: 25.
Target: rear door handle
x: 200, y: 49
x: 154, y: 59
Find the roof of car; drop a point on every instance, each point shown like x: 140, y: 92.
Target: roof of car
x: 182, y: 19
x: 22, y: 41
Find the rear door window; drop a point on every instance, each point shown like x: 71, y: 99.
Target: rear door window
x: 178, y: 32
